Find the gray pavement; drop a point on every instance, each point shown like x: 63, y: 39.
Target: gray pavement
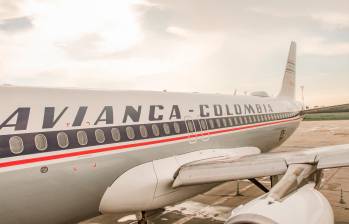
x: 215, y: 205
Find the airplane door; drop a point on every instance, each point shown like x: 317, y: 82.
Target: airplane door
x: 196, y: 129
x: 204, y: 129
x: 191, y: 129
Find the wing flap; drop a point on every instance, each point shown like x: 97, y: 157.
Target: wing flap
x: 211, y: 172
x: 333, y: 161
x: 268, y: 164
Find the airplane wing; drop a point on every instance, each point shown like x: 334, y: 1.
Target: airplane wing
x: 260, y: 165
x: 289, y: 199
x: 156, y: 182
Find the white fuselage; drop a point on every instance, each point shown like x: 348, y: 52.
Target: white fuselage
x: 60, y: 149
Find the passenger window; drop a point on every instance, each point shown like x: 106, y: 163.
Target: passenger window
x: 130, y: 132
x: 224, y: 121
x: 203, y: 124
x: 82, y: 137
x: 230, y: 120
x: 218, y: 122
x: 155, y: 129
x: 245, y: 120
x: 176, y: 127
x: 115, y: 134
x: 16, y: 145
x: 240, y: 120
x: 62, y: 140
x: 190, y: 126
x: 249, y: 119
x: 100, y: 137
x: 211, y: 123
x: 40, y: 142
x: 143, y: 130
x: 166, y: 128
x: 236, y: 121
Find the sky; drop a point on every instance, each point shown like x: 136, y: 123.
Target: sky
x: 188, y: 46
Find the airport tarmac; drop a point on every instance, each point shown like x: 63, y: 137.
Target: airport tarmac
x: 215, y: 205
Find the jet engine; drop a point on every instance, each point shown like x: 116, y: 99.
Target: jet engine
x: 304, y: 206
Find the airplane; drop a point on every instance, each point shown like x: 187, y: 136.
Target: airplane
x: 70, y: 154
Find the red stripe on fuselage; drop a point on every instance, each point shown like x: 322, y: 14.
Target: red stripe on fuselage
x: 133, y: 145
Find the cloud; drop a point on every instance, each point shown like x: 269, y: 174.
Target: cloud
x: 15, y: 24
x: 84, y: 48
x: 10, y: 9
x: 320, y: 47
x: 178, y: 31
x: 336, y: 20
x: 197, y: 45
x: 113, y: 22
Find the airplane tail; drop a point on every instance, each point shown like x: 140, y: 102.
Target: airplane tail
x: 288, y: 89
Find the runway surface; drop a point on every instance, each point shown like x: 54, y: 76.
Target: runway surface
x: 215, y: 206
